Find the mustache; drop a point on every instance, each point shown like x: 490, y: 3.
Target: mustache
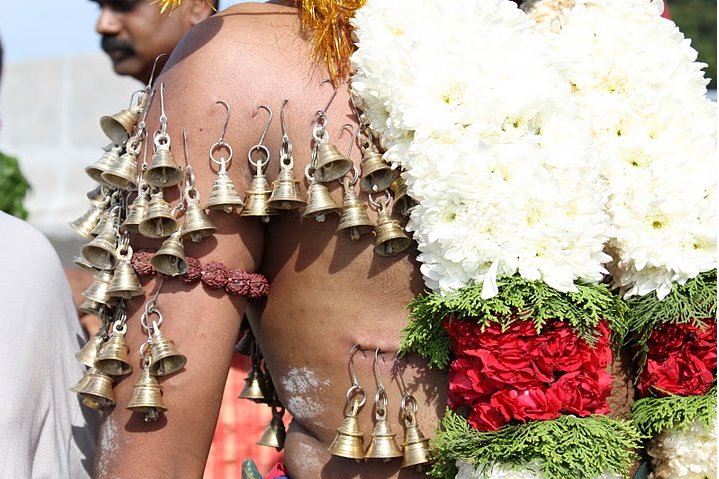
x: 109, y: 43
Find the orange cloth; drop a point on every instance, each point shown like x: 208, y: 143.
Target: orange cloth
x: 240, y: 425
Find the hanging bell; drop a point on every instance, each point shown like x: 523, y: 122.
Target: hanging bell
x: 349, y: 440
x: 81, y: 382
x: 86, y: 223
x: 170, y: 258
x: 98, y: 195
x: 163, y: 170
x: 402, y: 201
x: 331, y: 164
x: 391, y: 239
x: 254, y: 385
x: 113, y: 357
x: 137, y: 211
x: 285, y: 192
x: 82, y: 262
x: 415, y: 449
x: 383, y: 445
x: 118, y: 127
x: 197, y: 224
x: 354, y: 215
x: 159, y: 221
x: 104, y: 220
x: 96, y: 392
x: 102, y: 165
x: 256, y: 201
x: 319, y: 202
x: 147, y: 397
x: 224, y: 194
x: 274, y: 434
x: 97, y: 291
x: 125, y: 283
x: 123, y: 173
x: 165, y: 359
x: 377, y: 175
x: 90, y: 307
x: 100, y: 252
x: 89, y: 351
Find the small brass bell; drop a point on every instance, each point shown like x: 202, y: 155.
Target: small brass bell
x: 197, y: 224
x: 86, y: 223
x: 90, y: 307
x: 147, y: 397
x: 82, y: 262
x: 377, y: 175
x: 123, y: 173
x: 391, y: 239
x: 98, y: 195
x: 383, y: 445
x: 104, y: 220
x: 137, y: 212
x: 170, y: 258
x: 81, y: 382
x: 102, y: 165
x: 159, y: 221
x: 274, y: 434
x: 165, y: 359
x: 331, y: 164
x: 254, y: 385
x: 163, y: 170
x: 97, y: 291
x: 354, y: 215
x: 89, y: 351
x: 285, y: 192
x: 349, y: 440
x: 319, y: 202
x: 256, y: 201
x: 97, y: 391
x: 113, y: 357
x: 125, y: 283
x: 224, y: 194
x: 415, y: 449
x: 402, y: 201
x: 100, y: 252
x: 118, y: 127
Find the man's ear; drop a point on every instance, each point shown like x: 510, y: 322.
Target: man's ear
x: 198, y: 10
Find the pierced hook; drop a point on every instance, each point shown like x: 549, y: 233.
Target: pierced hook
x: 154, y: 66
x: 267, y: 125
x: 334, y: 92
x: 353, y: 133
x: 163, y: 117
x: 227, y: 120
x: 375, y: 366
x: 282, y: 118
x: 141, y: 126
x: 353, y: 373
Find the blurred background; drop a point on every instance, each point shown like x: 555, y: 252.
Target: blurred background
x: 57, y: 83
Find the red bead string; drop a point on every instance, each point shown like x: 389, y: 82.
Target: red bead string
x: 213, y: 275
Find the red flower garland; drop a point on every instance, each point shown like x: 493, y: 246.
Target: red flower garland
x: 682, y: 359
x: 519, y: 375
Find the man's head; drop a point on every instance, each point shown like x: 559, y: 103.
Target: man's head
x: 134, y: 32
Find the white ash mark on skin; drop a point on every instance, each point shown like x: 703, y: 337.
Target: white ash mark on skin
x: 298, y: 384
x: 308, y: 458
x: 108, y: 446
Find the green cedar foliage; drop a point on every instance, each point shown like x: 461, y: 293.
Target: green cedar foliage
x: 13, y: 187
x: 653, y: 415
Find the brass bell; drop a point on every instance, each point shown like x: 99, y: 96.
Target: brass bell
x: 197, y: 224
x: 147, y: 397
x: 254, y: 385
x: 391, y: 239
x: 137, y: 211
x: 402, y: 201
x: 159, y: 221
x: 274, y: 434
x: 97, y: 291
x: 123, y: 173
x: 170, y: 258
x: 354, y: 215
x: 377, y: 175
x: 349, y: 440
x: 81, y: 382
x: 96, y: 392
x: 104, y: 220
x: 165, y: 359
x: 86, y: 223
x: 102, y: 165
x: 224, y: 194
x: 100, y: 252
x: 285, y: 192
x: 90, y: 307
x: 113, y: 357
x: 415, y: 449
x: 82, y: 262
x: 125, y: 283
x: 331, y: 164
x: 118, y: 127
x: 89, y: 351
x: 383, y: 445
x: 256, y: 201
x: 163, y: 170
x: 319, y: 202
x: 98, y: 195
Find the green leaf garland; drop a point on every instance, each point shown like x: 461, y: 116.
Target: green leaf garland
x: 652, y: 415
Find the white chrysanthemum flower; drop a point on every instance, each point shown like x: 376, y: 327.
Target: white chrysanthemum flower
x: 527, y: 471
x: 502, y: 187
x: 689, y: 454
x: 654, y: 129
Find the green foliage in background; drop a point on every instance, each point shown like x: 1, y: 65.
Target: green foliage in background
x: 697, y: 19
x: 13, y: 187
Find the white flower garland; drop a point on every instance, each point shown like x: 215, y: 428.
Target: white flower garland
x: 689, y: 454
x: 466, y: 99
x: 640, y: 88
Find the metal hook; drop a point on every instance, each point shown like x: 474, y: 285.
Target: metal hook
x: 282, y: 118
x: 154, y: 65
x: 353, y: 373
x: 267, y: 125
x: 227, y: 120
x: 354, y: 131
x: 141, y: 126
x: 334, y: 92
x: 163, y: 117
x: 375, y: 366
